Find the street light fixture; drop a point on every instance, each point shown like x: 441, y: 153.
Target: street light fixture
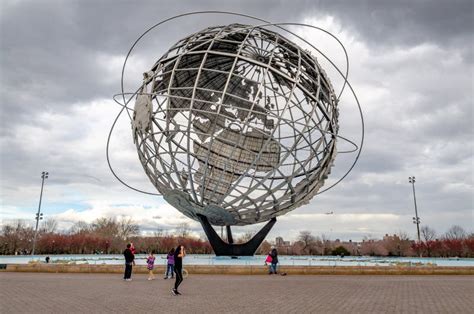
x: 39, y: 214
x: 416, y: 219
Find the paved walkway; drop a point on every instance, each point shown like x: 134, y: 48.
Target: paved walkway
x: 107, y: 293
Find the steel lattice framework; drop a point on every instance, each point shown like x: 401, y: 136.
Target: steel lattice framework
x: 237, y: 123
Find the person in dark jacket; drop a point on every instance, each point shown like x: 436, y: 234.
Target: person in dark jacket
x: 274, y: 255
x: 129, y: 262
x: 179, y: 253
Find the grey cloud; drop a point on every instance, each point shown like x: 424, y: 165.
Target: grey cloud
x: 50, y: 49
x: 405, y: 23
x: 50, y: 52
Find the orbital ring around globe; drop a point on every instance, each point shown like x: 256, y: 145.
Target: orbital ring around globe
x: 245, y: 197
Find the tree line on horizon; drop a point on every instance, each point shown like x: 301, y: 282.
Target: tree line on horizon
x: 110, y: 235
x: 456, y: 242
x: 102, y: 236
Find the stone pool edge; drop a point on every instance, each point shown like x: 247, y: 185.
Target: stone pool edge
x: 248, y: 269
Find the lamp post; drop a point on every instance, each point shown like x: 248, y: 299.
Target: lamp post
x: 39, y: 215
x: 416, y: 219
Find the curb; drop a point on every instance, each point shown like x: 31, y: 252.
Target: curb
x: 247, y: 270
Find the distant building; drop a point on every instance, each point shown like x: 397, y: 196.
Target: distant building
x: 280, y: 242
x: 388, y: 237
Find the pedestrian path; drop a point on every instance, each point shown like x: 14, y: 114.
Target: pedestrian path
x: 108, y: 293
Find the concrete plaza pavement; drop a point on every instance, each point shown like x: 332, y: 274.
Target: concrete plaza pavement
x: 108, y: 293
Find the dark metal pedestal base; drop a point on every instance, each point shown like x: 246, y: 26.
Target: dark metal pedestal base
x: 222, y: 248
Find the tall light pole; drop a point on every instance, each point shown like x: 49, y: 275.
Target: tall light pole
x: 39, y: 215
x: 416, y: 219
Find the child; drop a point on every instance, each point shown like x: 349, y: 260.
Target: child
x: 170, y: 267
x: 150, y: 261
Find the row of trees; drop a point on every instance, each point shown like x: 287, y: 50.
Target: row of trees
x: 104, y: 235
x: 109, y: 235
x: 456, y: 242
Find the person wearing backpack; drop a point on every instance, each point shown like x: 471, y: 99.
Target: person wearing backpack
x: 273, y: 265
x: 268, y: 261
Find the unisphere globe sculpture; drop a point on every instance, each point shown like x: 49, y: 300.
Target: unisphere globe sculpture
x: 236, y: 123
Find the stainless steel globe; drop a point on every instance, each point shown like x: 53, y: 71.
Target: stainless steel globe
x: 236, y: 123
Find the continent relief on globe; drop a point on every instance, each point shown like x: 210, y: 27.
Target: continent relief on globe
x: 239, y: 125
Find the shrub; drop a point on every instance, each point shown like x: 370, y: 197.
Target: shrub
x: 340, y: 250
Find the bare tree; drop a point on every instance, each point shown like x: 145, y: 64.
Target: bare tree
x: 246, y: 236
x: 80, y: 227
x: 427, y: 233
x: 403, y: 236
x: 18, y: 237
x: 183, y: 230
x: 49, y: 225
x: 105, y: 227
x: 127, y: 227
x: 264, y: 248
x: 307, y: 239
x: 455, y: 233
x: 158, y: 233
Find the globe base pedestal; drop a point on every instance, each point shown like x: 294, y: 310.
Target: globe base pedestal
x: 222, y: 248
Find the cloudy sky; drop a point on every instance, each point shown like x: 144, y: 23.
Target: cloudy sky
x: 411, y: 67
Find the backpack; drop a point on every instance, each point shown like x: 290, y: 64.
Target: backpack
x: 269, y: 259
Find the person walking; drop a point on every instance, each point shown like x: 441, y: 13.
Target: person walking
x: 170, y: 264
x: 179, y: 254
x: 150, y: 261
x: 129, y: 262
x: 274, y: 255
